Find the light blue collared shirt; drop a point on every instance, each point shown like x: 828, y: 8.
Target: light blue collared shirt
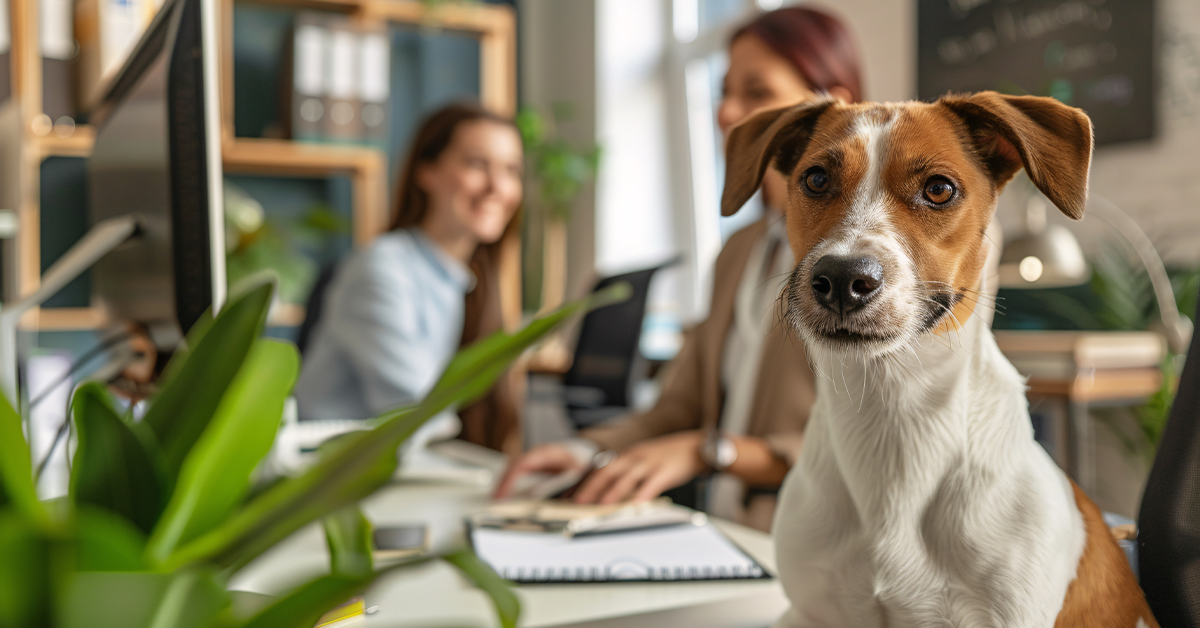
x: 392, y: 319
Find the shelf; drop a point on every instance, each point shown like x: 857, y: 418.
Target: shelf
x: 366, y: 167
x: 267, y: 156
x: 69, y: 319
x: 77, y: 144
x: 475, y: 17
x: 469, y: 17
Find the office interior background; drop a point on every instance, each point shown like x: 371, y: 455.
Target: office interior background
x: 625, y: 91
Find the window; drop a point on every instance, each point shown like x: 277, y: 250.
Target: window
x: 699, y: 59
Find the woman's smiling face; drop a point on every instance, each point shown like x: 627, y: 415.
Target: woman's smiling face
x: 475, y: 187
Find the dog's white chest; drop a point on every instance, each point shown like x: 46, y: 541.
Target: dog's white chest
x: 931, y: 510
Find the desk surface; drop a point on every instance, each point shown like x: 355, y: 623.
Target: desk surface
x: 435, y: 595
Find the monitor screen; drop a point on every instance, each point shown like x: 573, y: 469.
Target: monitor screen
x: 157, y: 132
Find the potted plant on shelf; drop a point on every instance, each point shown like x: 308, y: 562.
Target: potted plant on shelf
x: 159, y: 515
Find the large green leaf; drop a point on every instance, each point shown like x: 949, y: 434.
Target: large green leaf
x: 113, y: 469
x: 106, y: 542
x: 96, y: 599
x: 16, y: 468
x: 192, y: 598
x: 289, y: 506
x: 217, y: 471
x: 182, y: 410
x: 194, y: 335
x: 27, y: 565
x: 508, y: 607
x: 348, y: 534
x: 362, y: 462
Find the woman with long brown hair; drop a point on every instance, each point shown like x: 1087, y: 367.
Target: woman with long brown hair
x: 736, y: 398
x: 397, y: 311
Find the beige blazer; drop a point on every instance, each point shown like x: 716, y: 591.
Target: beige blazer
x: 692, y: 396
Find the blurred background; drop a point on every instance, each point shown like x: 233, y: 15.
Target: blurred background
x: 616, y: 102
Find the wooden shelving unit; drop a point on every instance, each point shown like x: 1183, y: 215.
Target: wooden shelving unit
x: 366, y: 168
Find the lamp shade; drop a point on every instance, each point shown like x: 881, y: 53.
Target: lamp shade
x: 1051, y: 258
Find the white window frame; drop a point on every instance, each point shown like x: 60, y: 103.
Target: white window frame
x: 693, y: 147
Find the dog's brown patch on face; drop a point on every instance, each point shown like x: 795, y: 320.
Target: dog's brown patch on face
x: 946, y: 243
x: 914, y: 145
x: 835, y: 148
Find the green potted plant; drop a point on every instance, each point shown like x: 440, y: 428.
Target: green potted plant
x: 160, y: 513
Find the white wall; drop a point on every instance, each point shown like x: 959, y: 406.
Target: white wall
x: 558, y: 65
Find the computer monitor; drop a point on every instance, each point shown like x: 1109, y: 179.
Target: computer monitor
x: 157, y: 156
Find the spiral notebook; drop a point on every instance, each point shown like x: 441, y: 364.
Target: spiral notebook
x: 685, y: 552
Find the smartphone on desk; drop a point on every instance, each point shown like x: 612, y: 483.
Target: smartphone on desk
x: 399, y: 542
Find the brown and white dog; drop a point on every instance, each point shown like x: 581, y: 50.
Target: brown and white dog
x: 920, y: 497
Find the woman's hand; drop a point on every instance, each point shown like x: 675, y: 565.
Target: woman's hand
x: 551, y: 458
x: 645, y: 470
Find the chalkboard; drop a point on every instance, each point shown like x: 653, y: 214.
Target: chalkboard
x: 1098, y: 55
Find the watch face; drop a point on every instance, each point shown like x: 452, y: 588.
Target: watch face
x: 726, y: 453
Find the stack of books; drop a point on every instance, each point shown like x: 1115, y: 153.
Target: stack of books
x: 1088, y: 364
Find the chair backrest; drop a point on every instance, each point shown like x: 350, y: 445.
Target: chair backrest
x: 606, y: 355
x: 313, y: 309
x: 1169, y: 520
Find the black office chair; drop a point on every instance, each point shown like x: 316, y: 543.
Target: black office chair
x: 607, y: 362
x: 1169, y: 521
x: 313, y: 308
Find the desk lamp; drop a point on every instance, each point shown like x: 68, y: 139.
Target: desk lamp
x: 1049, y: 256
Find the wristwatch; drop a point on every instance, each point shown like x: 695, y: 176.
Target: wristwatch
x: 718, y: 451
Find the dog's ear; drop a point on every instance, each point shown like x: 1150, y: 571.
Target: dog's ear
x: 756, y: 142
x: 1052, y: 141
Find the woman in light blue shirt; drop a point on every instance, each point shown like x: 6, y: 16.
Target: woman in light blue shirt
x: 394, y: 314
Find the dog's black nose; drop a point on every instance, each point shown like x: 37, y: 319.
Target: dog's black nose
x: 844, y: 284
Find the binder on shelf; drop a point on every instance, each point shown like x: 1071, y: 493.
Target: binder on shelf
x: 57, y: 39
x: 309, y: 51
x: 344, y: 120
x: 375, y: 86
x: 337, y: 84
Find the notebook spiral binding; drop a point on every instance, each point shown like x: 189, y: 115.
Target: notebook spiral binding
x: 595, y: 574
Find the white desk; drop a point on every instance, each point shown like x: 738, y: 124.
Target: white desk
x: 435, y: 595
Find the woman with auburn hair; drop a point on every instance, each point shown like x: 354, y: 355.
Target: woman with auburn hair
x: 735, y: 400
x: 397, y: 311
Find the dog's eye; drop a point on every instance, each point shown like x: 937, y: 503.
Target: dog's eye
x: 938, y: 191
x: 816, y: 180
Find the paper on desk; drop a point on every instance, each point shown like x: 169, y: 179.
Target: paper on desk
x: 676, y: 553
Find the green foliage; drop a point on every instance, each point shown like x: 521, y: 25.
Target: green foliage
x: 185, y: 405
x: 348, y: 534
x: 558, y: 169
x: 16, y: 468
x: 508, y: 607
x: 160, y: 512
x: 114, y: 470
x: 257, y: 242
x: 1119, y: 297
x: 216, y: 472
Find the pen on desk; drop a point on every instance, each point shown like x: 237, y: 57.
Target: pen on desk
x: 634, y: 518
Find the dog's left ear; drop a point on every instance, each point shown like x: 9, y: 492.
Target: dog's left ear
x: 1052, y: 141
x: 756, y: 142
